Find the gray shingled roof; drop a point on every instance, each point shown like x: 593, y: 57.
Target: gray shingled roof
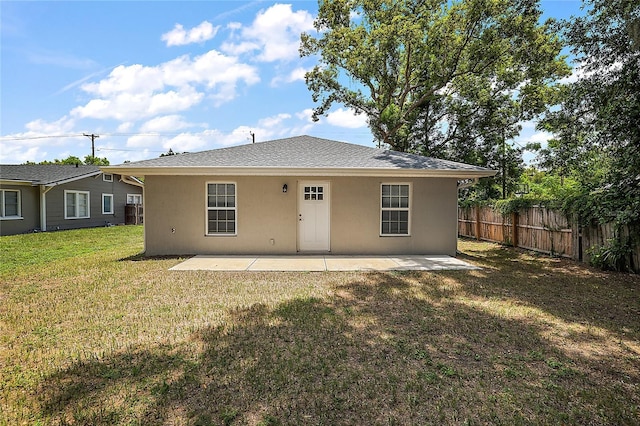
x: 301, y: 152
x: 45, y: 174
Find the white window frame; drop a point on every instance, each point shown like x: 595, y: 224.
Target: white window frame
x: 134, y: 196
x: 407, y: 209
x: 208, y: 209
x: 77, y: 204
x: 3, y: 206
x: 107, y: 177
x: 112, y: 208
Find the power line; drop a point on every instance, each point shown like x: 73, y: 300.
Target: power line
x: 26, y: 138
x: 127, y: 150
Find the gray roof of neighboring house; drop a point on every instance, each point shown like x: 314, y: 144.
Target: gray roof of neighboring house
x: 301, y: 152
x: 46, y: 174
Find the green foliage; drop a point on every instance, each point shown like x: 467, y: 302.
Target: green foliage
x: 547, y: 185
x: 439, y: 78
x: 597, y: 139
x: 96, y: 160
x: 514, y: 205
x: 612, y: 256
x: 73, y: 160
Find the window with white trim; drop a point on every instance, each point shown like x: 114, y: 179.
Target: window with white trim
x: 76, y: 205
x: 395, y: 209
x: 10, y: 206
x: 221, y: 208
x: 134, y: 198
x: 107, y: 177
x: 107, y: 203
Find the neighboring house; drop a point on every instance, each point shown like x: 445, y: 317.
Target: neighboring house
x: 46, y: 197
x: 300, y: 195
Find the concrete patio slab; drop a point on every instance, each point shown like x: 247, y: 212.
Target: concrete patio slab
x: 431, y: 263
x: 215, y: 263
x: 322, y: 263
x: 357, y: 263
x: 289, y: 263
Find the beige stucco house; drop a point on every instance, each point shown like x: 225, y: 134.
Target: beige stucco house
x: 300, y: 195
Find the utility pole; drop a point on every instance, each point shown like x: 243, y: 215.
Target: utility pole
x: 93, y: 146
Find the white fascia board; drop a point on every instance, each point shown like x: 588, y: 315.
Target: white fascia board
x: 131, y: 180
x: 277, y: 171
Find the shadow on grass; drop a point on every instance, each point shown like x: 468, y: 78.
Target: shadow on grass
x: 143, y: 257
x: 393, y: 348
x: 564, y: 288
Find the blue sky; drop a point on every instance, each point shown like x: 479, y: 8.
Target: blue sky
x: 152, y: 75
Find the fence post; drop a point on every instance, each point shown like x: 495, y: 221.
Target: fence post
x: 478, y: 222
x: 514, y: 224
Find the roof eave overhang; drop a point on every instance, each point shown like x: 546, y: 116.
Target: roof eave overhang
x: 131, y: 180
x: 16, y: 182
x: 67, y: 180
x: 277, y: 171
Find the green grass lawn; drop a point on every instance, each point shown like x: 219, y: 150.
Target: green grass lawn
x: 93, y: 333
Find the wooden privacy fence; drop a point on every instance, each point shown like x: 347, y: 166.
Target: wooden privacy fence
x: 539, y: 229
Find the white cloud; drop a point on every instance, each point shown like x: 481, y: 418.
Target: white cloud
x: 40, y: 137
x: 237, y: 49
x: 346, y: 118
x: 187, y: 142
x: 577, y: 73
x: 144, y: 141
x: 125, y: 127
x: 41, y: 127
x: 539, y: 137
x: 127, y: 106
x: 275, y: 33
x: 136, y: 92
x: 531, y: 136
x: 528, y: 125
x: 127, y: 79
x: 273, y: 121
x: 267, y: 128
x: 588, y: 69
x: 17, y: 154
x: 179, y: 36
x: 295, y: 75
x: 306, y: 115
x: 82, y: 80
x: 165, y: 123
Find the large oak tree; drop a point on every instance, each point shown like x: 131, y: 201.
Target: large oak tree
x: 414, y: 64
x: 438, y: 77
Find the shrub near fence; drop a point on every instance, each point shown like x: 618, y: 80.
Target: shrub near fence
x: 543, y: 230
x: 598, y: 239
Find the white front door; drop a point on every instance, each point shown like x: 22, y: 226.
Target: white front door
x: 313, y: 216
